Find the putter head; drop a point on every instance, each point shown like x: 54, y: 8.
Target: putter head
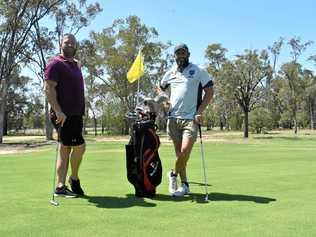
x: 54, y: 203
x: 206, y: 198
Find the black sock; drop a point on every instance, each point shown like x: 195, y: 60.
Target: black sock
x: 186, y: 183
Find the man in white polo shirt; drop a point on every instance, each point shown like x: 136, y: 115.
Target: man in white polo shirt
x: 186, y: 82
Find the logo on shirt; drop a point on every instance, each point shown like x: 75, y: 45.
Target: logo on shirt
x: 191, y: 73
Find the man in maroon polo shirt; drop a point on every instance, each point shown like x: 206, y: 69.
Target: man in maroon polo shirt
x: 64, y: 88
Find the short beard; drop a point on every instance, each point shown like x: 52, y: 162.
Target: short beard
x: 69, y: 53
x: 182, y: 63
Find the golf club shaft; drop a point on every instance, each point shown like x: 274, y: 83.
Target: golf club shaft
x: 203, y: 162
x: 54, y: 175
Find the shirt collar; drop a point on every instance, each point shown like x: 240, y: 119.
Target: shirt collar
x: 65, y: 60
x: 175, y: 68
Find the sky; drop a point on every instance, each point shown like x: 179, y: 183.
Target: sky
x: 236, y: 25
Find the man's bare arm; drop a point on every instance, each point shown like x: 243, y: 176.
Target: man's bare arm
x: 50, y: 91
x: 208, y: 95
x: 206, y: 99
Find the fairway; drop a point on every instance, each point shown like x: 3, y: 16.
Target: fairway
x: 263, y: 186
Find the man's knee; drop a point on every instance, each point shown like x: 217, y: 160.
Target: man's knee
x: 186, y: 149
x: 64, y: 150
x: 183, y: 154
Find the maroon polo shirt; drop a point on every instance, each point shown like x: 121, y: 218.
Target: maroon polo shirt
x: 70, y: 84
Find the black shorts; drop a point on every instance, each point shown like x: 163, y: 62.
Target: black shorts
x: 71, y: 133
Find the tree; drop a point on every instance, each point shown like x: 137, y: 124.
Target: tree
x: 95, y: 90
x: 310, y: 97
x: 215, y: 54
x: 247, y: 75
x: 17, y: 19
x: 298, y: 47
x: 225, y: 104
x: 294, y: 89
x: 116, y: 48
x: 69, y: 15
x: 311, y: 94
x: 223, y: 101
x: 17, y: 102
x: 42, y: 44
x: 271, y: 99
x: 72, y: 16
x: 277, y: 106
x: 34, y: 113
x: 275, y: 51
x: 260, y: 120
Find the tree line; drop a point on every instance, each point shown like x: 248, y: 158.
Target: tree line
x: 251, y: 91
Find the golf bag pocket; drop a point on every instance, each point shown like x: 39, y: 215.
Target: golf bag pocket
x: 143, y: 164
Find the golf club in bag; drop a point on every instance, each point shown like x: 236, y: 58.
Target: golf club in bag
x: 143, y: 164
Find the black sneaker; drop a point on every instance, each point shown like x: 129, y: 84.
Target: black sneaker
x: 64, y: 192
x: 75, y: 186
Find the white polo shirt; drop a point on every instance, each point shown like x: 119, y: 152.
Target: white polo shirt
x: 184, y: 89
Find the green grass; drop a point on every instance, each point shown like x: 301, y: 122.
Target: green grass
x: 263, y: 186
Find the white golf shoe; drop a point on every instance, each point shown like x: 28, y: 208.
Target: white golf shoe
x: 172, y: 182
x: 181, y: 191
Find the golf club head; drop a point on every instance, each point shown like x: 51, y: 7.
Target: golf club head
x: 206, y: 198
x: 131, y: 115
x: 54, y: 203
x: 149, y: 100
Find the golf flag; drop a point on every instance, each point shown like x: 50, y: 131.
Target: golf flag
x: 137, y: 69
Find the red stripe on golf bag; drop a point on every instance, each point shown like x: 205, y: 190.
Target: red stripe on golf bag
x: 148, y: 185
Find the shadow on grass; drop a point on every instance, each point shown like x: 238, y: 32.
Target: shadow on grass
x: 193, y: 197
x: 131, y: 200
x: 200, y: 198
x: 200, y: 184
x: 239, y: 197
x: 284, y: 138
x: 118, y: 202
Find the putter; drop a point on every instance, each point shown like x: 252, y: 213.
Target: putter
x: 203, y: 164
x: 53, y: 201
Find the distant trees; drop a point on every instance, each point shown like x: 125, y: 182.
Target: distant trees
x: 241, y: 80
x: 25, y: 40
x: 69, y: 17
x: 17, y: 103
x: 283, y: 98
x: 17, y: 19
x: 252, y: 91
x: 107, y: 58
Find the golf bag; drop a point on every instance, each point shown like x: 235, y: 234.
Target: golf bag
x: 144, y: 169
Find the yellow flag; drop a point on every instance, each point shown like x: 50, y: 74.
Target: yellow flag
x: 137, y: 69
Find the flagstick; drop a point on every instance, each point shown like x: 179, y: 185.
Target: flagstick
x: 138, y: 81
x: 137, y: 98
